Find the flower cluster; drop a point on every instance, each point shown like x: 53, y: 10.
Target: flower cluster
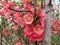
x: 55, y: 26
x: 34, y: 25
x: 55, y: 20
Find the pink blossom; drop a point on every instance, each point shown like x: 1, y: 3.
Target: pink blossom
x: 28, y: 18
x: 34, y: 33
x: 8, y: 4
x: 38, y: 29
x: 43, y: 21
x: 11, y: 3
x: 42, y: 14
x: 17, y: 14
x: 20, y: 21
x: 27, y: 6
x: 18, y: 7
x: 32, y: 10
x: 28, y: 30
x: 4, y: 2
x: 5, y: 31
x: 35, y: 37
x: 6, y: 12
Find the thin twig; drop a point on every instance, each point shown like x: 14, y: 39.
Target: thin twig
x: 20, y: 10
x: 52, y: 8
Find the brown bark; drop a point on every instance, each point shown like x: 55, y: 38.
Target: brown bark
x: 47, y: 37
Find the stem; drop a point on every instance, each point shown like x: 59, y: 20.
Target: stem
x: 35, y: 42
x: 50, y: 3
x: 20, y: 10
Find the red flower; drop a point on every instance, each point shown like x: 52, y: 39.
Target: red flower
x: 42, y: 21
x: 11, y: 4
x: 8, y: 4
x: 28, y: 18
x: 42, y: 14
x: 27, y: 6
x: 34, y: 33
x: 38, y: 29
x: 55, y: 25
x: 6, y: 12
x: 3, y: 2
x: 17, y: 14
x: 35, y: 37
x: 32, y: 10
x: 5, y: 32
x: 20, y: 21
x: 18, y: 43
x: 28, y: 30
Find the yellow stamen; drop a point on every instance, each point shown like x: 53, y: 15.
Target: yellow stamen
x: 38, y: 29
x: 21, y: 20
x: 28, y: 19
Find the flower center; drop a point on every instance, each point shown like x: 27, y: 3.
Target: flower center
x: 28, y: 19
x: 38, y: 29
x: 21, y: 20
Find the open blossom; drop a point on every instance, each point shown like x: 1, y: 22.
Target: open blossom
x: 35, y: 37
x: 5, y: 32
x: 11, y: 4
x: 27, y: 6
x: 6, y: 12
x: 3, y: 2
x: 33, y: 24
x: 42, y: 14
x: 38, y: 29
x: 17, y: 14
x: 8, y: 4
x: 20, y: 21
x: 28, y: 18
x: 28, y: 30
x: 58, y: 26
x: 42, y: 21
x: 34, y: 33
x: 55, y: 25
